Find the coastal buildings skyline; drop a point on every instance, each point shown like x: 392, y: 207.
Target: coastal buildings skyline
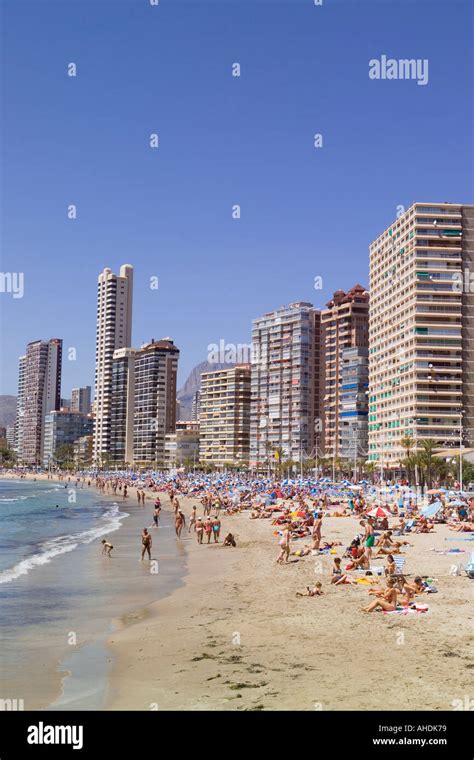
x: 321, y: 383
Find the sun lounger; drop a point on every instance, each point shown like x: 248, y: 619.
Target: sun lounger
x: 469, y: 568
x: 399, y: 575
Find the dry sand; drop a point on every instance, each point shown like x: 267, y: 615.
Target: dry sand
x: 235, y: 636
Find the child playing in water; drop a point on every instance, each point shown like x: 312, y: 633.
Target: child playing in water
x: 106, y: 547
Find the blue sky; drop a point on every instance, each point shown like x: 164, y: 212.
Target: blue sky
x: 305, y: 212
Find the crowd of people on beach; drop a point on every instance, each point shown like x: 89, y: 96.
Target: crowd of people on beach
x: 296, y: 511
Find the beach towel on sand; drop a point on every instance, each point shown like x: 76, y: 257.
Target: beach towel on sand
x: 419, y: 608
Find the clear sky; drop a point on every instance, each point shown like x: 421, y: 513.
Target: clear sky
x: 305, y: 211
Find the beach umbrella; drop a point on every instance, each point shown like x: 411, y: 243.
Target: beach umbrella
x: 378, y: 512
x: 434, y: 491
x: 431, y: 509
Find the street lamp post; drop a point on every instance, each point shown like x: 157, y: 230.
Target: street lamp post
x: 356, y: 447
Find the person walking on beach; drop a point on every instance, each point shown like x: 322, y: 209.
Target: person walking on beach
x: 143, y: 498
x: 179, y: 523
x: 192, y: 520
x: 216, y: 528
x: 208, y: 529
x: 199, y: 530
x: 156, y: 515
x: 146, y: 543
x: 369, y: 537
x: 317, y: 531
x: 284, y: 543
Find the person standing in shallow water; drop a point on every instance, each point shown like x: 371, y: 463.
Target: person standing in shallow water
x: 146, y: 543
x: 199, y: 530
x: 179, y: 523
x: 216, y: 528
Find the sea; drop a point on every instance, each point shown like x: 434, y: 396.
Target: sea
x: 61, y: 598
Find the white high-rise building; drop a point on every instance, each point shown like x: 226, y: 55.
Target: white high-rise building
x: 81, y: 400
x: 421, y: 329
x: 114, y: 331
x: 285, y: 416
x: 20, y: 405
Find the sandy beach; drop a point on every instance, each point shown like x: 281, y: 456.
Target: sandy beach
x: 235, y: 636
x: 232, y: 635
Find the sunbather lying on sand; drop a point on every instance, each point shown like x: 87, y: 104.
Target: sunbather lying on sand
x: 410, y: 589
x: 424, y: 526
x: 462, y: 527
x: 315, y: 591
x: 361, y: 563
x: 386, y: 601
x: 338, y: 577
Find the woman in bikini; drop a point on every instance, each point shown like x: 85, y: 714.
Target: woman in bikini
x: 208, y: 529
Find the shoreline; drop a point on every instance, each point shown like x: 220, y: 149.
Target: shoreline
x: 232, y: 635
x: 62, y: 675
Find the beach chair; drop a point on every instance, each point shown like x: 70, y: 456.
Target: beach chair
x: 399, y: 575
x: 469, y: 568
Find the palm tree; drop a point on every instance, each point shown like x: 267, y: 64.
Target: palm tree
x: 428, y: 446
x: 369, y: 468
x: 408, y: 443
x: 278, y: 450
x: 64, y: 455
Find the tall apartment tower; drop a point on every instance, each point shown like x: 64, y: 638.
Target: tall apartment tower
x: 81, y: 400
x: 156, y: 369
x: 41, y: 394
x: 123, y: 404
x: 196, y: 406
x: 224, y: 421
x: 114, y: 330
x: 285, y: 384
x: 20, y: 406
x: 354, y: 403
x: 345, y: 323
x: 421, y: 330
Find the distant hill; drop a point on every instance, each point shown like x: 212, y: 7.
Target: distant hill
x: 7, y: 410
x: 192, y: 384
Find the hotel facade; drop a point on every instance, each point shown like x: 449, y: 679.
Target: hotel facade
x: 285, y: 384
x: 224, y: 416
x: 345, y: 324
x: 421, y: 331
